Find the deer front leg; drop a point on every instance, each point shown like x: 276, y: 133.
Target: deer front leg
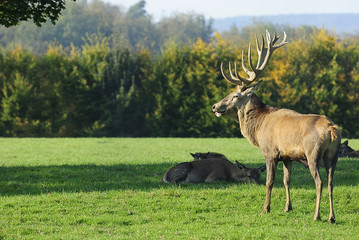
x: 271, y: 165
x: 287, y: 169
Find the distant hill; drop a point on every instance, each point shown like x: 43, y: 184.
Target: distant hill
x: 338, y: 23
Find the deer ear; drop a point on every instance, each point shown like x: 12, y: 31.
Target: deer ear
x: 252, y: 89
x: 262, y: 168
x: 240, y: 165
x: 345, y: 143
x: 193, y: 155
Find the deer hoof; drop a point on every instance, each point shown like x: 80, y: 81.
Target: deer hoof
x: 288, y: 209
x: 265, y: 212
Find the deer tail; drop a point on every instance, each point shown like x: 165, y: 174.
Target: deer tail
x: 334, y: 132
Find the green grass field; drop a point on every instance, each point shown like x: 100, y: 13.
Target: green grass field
x: 110, y: 188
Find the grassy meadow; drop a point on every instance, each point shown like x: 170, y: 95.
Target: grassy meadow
x: 110, y: 188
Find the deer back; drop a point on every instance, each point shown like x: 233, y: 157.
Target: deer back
x: 201, y: 156
x: 275, y: 134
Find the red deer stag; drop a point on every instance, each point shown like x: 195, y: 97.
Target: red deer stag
x: 281, y: 134
x: 214, y: 168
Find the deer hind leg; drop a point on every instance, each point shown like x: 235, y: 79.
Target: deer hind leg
x: 287, y: 169
x: 330, y: 167
x: 216, y: 176
x: 330, y: 173
x: 271, y: 165
x: 314, y: 170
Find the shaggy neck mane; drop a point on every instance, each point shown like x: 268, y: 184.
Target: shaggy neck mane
x: 251, y: 116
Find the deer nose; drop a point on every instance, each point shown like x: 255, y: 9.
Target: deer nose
x: 214, y: 108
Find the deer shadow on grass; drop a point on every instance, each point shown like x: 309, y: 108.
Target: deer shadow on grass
x: 33, y: 180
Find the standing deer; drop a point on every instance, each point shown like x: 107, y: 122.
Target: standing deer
x: 281, y: 134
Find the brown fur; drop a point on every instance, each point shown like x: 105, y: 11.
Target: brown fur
x: 285, y: 135
x: 281, y: 134
x: 200, y: 156
x: 211, y: 170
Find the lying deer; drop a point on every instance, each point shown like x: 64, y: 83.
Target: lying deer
x: 212, y: 169
x: 346, y: 151
x: 281, y: 134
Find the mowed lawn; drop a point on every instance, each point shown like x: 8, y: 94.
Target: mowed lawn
x: 110, y: 188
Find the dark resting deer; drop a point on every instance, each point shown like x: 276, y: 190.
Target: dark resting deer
x: 212, y: 168
x: 346, y: 151
x: 281, y: 134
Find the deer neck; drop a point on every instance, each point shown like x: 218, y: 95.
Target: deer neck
x: 251, y: 116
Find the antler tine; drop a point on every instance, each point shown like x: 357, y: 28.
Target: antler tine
x: 267, y: 52
x: 237, y: 78
x: 283, y: 41
x: 250, y: 60
x: 236, y: 72
x: 260, y: 51
x: 264, y: 54
x: 223, y: 74
x: 243, y: 80
x: 257, y: 44
x: 249, y: 73
x: 230, y: 71
x: 276, y: 38
x: 269, y: 39
x: 230, y: 80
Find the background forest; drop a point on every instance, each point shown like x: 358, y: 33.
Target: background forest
x: 102, y: 71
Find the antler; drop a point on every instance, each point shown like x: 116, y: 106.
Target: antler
x: 264, y: 54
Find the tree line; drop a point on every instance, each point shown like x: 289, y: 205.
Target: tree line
x: 102, y: 71
x: 103, y: 90
x: 133, y: 27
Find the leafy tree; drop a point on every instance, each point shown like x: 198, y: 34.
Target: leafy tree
x: 14, y: 11
x: 86, y: 79
x: 103, y: 88
x: 135, y: 28
x: 124, y: 115
x: 21, y: 103
x: 185, y: 28
x: 78, y: 19
x: 185, y: 85
x: 140, y: 29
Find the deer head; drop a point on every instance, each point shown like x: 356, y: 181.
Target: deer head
x: 252, y: 174
x: 246, y: 86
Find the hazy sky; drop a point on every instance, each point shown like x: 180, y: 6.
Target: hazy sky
x: 230, y: 8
